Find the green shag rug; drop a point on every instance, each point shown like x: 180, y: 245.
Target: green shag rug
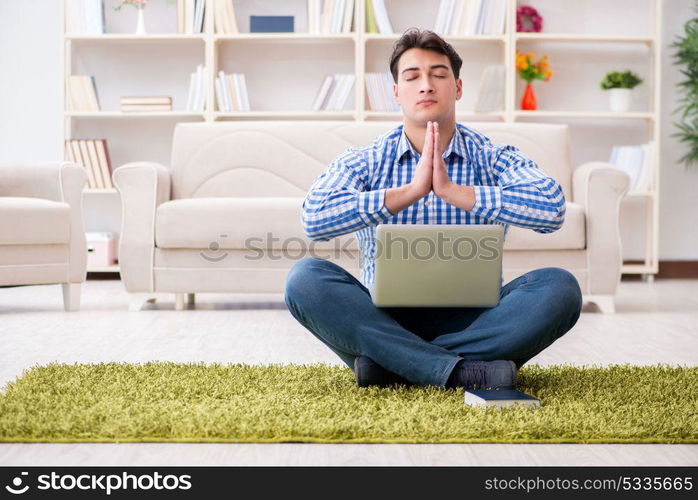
x: 160, y: 402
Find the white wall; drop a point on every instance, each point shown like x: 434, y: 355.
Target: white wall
x: 30, y: 101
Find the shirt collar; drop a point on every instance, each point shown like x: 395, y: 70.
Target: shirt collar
x: 457, y: 145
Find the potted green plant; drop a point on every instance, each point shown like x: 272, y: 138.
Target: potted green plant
x: 686, y: 55
x: 619, y: 85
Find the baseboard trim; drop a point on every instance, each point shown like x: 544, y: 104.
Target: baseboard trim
x: 669, y: 269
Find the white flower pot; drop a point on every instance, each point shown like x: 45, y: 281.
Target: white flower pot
x: 140, y: 27
x: 620, y: 99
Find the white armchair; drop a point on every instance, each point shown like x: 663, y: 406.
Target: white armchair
x: 42, y: 235
x: 186, y: 227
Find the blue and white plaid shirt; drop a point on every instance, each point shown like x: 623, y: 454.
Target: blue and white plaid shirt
x: 349, y: 196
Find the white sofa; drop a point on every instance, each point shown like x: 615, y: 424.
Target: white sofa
x: 198, y: 225
x: 42, y: 236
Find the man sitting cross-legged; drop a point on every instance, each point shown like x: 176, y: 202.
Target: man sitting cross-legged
x: 430, y: 170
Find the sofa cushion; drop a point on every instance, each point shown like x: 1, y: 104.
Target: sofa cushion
x: 571, y: 236
x: 237, y: 223
x: 30, y: 221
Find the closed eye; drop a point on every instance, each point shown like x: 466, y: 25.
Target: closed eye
x: 410, y: 79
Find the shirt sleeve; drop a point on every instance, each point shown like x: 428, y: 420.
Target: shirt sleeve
x: 340, y: 202
x: 523, y: 195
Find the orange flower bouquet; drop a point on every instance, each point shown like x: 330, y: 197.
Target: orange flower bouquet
x: 530, y: 70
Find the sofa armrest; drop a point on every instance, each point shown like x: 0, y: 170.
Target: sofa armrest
x: 59, y: 181
x: 599, y: 187
x: 40, y: 180
x: 142, y: 186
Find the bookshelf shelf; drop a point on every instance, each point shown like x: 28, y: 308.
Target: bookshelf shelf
x: 551, y: 37
x: 586, y: 114
x: 474, y: 38
x: 120, y: 115
x: 285, y: 37
x: 298, y: 62
x: 111, y: 37
x: 301, y: 114
x: 103, y: 269
x: 637, y: 269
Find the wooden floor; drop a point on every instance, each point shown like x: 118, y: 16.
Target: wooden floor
x: 655, y: 323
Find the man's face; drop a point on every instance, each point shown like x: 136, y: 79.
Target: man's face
x: 426, y: 75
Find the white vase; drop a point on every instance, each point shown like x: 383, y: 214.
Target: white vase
x: 140, y: 27
x: 619, y: 99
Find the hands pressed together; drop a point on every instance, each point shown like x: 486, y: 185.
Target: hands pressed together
x: 431, y: 169
x: 431, y: 174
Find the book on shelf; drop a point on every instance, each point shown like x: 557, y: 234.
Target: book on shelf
x: 84, y: 17
x: 190, y: 16
x: 379, y: 88
x: 491, y: 95
x: 92, y: 154
x: 81, y: 93
x: 231, y: 92
x: 145, y: 100
x: 637, y: 162
x: 196, y: 98
x: 224, y: 18
x: 330, y: 16
x: 377, y: 20
x: 471, y: 17
x: 334, y: 92
x: 271, y: 24
x: 141, y: 104
x: 241, y: 91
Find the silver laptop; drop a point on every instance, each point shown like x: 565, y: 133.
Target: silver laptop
x: 438, y: 265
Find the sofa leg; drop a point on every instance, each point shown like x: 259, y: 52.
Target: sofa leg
x: 137, y: 300
x: 71, y: 296
x: 179, y: 301
x: 191, y: 299
x: 605, y: 303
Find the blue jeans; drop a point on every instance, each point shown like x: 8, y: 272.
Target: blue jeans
x: 423, y: 344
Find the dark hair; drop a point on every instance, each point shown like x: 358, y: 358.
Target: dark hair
x: 426, y: 40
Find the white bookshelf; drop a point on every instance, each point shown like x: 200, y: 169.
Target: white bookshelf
x: 268, y: 61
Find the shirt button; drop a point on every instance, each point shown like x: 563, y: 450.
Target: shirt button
x: 426, y: 203
x: 525, y: 207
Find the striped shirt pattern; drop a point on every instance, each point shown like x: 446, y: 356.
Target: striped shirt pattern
x: 349, y: 197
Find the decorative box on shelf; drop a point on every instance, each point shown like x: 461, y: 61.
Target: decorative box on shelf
x: 101, y: 249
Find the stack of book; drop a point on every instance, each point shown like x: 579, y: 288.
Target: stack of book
x: 196, y: 99
x: 334, y: 92
x: 637, y: 162
x: 81, y: 93
x: 94, y: 156
x: 377, y: 20
x: 231, y: 92
x: 379, y: 87
x: 471, y: 17
x: 190, y: 16
x: 151, y: 104
x: 84, y: 17
x: 330, y: 16
x: 491, y: 96
x: 224, y: 17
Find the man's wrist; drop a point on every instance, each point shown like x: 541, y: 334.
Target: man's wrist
x: 399, y: 198
x: 413, y: 193
x: 458, y: 196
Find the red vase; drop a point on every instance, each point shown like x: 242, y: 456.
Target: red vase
x: 528, y: 101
